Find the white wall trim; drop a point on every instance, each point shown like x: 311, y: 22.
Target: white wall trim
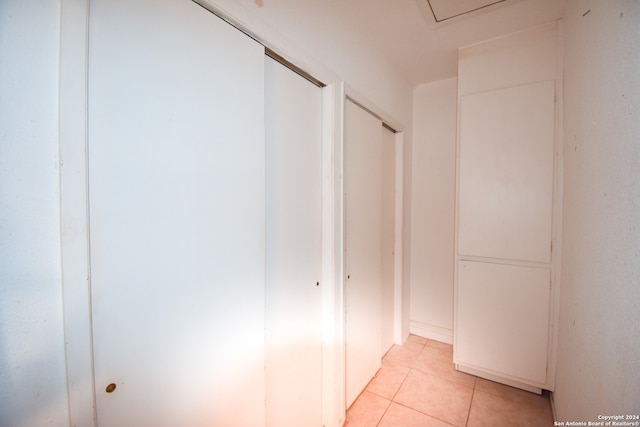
x: 76, y: 290
x: 432, y: 332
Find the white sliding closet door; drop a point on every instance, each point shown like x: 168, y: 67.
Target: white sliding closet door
x: 363, y: 245
x: 294, y: 248
x: 176, y: 186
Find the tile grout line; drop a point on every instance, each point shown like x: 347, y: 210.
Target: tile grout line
x: 382, y: 397
x: 384, y: 413
x: 392, y: 400
x: 473, y: 394
x: 424, y: 413
x: 404, y: 379
x: 411, y: 368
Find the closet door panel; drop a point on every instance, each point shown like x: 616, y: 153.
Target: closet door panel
x: 176, y: 189
x: 363, y: 247
x: 506, y: 173
x: 294, y: 248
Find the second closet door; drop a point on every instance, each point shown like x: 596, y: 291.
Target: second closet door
x: 294, y: 248
x: 363, y: 245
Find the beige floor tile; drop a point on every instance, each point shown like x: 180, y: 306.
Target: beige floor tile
x: 401, y: 416
x: 435, y: 396
x: 404, y: 355
x: 419, y: 386
x: 439, y: 362
x: 497, y: 404
x: 440, y: 345
x: 416, y: 339
x: 388, y: 380
x: 367, y: 410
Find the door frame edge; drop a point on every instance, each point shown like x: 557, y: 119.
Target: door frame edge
x: 74, y: 213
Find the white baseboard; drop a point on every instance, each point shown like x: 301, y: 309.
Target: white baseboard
x: 431, y: 332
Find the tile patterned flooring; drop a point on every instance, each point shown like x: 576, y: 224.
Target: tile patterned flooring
x: 418, y: 386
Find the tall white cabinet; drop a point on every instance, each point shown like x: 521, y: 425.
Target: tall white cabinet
x: 506, y: 210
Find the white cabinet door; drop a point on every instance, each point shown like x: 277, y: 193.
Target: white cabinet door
x: 362, y: 183
x: 294, y: 248
x: 506, y: 173
x: 177, y: 220
x: 502, y: 323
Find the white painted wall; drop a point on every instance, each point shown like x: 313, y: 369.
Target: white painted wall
x: 32, y: 362
x: 598, y: 363
x: 432, y: 238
